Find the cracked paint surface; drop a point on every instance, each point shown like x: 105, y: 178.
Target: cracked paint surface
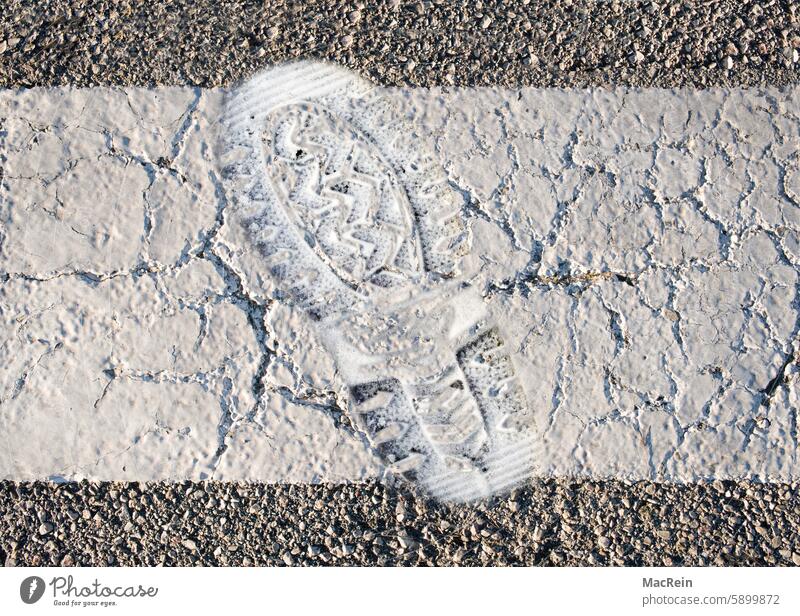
x: 641, y: 246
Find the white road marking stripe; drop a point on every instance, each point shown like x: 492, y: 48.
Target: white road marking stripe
x: 639, y: 248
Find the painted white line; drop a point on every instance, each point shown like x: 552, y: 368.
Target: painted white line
x: 637, y: 252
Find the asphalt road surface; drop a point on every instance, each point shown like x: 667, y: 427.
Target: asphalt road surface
x: 549, y: 522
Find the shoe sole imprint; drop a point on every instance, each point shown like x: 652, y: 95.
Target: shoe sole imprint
x: 359, y: 227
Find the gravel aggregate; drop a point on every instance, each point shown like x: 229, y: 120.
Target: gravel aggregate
x: 439, y: 42
x: 548, y: 522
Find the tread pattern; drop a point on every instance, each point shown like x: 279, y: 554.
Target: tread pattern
x: 356, y: 215
x: 490, y: 373
x: 348, y: 212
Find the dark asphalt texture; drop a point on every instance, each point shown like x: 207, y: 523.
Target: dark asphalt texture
x: 504, y: 43
x: 545, y: 523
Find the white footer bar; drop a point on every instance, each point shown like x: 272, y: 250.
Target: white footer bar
x: 400, y: 591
